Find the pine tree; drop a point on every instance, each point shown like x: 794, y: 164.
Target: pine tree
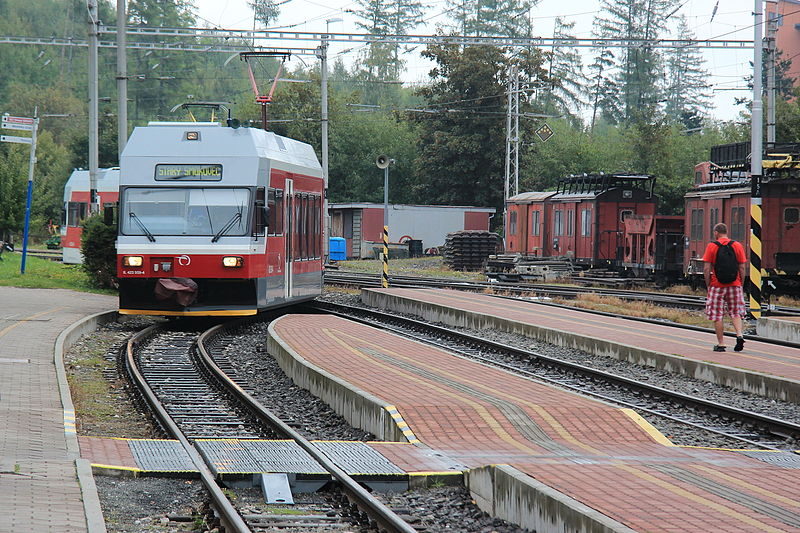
x: 603, y: 89
x: 570, y: 86
x: 638, y: 69
x: 381, y: 61
x: 264, y: 11
x: 686, y: 81
x: 404, y: 16
x: 505, y: 18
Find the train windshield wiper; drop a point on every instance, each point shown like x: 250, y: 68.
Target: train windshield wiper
x: 142, y: 226
x: 235, y: 218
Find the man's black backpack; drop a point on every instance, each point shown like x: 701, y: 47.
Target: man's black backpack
x: 726, y: 267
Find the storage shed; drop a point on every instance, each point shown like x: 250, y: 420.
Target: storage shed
x: 361, y: 224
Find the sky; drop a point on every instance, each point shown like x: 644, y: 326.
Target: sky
x: 727, y: 68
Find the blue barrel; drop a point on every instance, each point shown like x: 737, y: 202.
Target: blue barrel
x: 338, y: 249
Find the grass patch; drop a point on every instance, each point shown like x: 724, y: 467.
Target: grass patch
x: 102, y: 404
x: 642, y: 309
x: 44, y: 274
x: 432, y: 267
x: 786, y: 301
x: 90, y: 391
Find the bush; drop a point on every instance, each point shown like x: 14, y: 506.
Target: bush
x: 99, y: 252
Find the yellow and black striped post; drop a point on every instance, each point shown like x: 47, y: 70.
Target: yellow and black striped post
x: 385, y: 275
x: 754, y: 287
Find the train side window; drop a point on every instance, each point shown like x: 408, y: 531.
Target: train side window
x: 791, y: 215
x: 558, y: 222
x: 570, y: 222
x: 259, y: 220
x: 586, y: 222
x: 317, y: 226
x: 512, y: 223
x: 306, y: 227
x: 737, y: 224
x: 277, y: 223
x: 535, y: 223
x: 714, y: 217
x: 625, y: 213
x: 76, y: 212
x: 696, y: 232
x: 272, y: 213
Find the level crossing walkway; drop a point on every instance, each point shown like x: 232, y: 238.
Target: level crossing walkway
x: 40, y: 489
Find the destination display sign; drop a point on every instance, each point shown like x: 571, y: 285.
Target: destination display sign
x: 17, y: 123
x: 14, y: 139
x: 188, y: 172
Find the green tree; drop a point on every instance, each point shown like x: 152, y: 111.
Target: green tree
x: 99, y: 253
x: 264, y: 11
x: 638, y: 68
x: 603, y: 89
x: 462, y: 129
x: 13, y: 179
x: 568, y: 91
x: 507, y: 18
x: 686, y: 81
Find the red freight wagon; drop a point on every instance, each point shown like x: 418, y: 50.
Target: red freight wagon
x: 584, y: 219
x: 724, y: 196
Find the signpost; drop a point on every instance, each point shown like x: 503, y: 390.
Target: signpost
x: 31, y: 125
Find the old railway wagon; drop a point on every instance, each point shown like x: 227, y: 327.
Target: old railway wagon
x: 584, y: 219
x: 722, y: 193
x: 217, y: 220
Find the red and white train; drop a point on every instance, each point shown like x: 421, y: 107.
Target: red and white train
x: 76, y: 207
x: 217, y: 220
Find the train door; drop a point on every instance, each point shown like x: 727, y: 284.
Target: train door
x: 289, y: 231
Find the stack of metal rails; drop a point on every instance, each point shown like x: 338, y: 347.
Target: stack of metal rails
x: 469, y: 249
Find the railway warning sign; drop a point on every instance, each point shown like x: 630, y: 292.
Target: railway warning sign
x: 544, y: 132
x: 17, y: 123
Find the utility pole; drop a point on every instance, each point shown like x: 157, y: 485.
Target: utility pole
x: 512, y: 141
x: 323, y: 56
x: 512, y: 137
x: 772, y: 60
x: 122, y: 76
x: 94, y: 143
x: 756, y: 168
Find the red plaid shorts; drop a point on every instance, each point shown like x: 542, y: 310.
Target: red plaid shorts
x: 722, y: 299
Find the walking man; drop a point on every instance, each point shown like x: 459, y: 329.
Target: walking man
x: 724, y: 270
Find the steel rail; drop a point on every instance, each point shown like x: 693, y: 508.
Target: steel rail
x: 384, y: 516
x: 782, y: 428
x: 411, y: 282
x: 228, y: 513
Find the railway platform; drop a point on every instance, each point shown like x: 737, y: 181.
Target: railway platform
x: 537, y: 456
x: 765, y: 369
x: 45, y: 485
x: 780, y: 328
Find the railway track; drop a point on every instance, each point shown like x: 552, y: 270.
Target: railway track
x: 734, y: 427
x: 681, y: 301
x: 192, y: 397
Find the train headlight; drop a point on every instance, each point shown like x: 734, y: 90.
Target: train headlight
x: 232, y: 261
x: 132, y: 260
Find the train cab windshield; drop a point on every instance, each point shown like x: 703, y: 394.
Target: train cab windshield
x: 184, y: 211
